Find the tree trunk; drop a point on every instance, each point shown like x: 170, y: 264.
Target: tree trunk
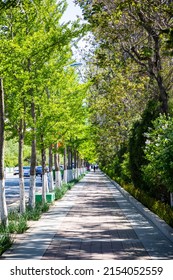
x: 3, y: 205
x: 75, y: 164
x: 163, y: 97
x: 51, y: 184
x: 20, y: 160
x: 65, y: 165
x: 171, y: 199
x: 33, y: 160
x: 44, y: 175
x: 69, y: 165
x: 58, y: 180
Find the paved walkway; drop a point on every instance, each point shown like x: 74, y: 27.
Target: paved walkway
x: 93, y: 221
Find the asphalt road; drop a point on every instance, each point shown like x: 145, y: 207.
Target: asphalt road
x: 12, y: 187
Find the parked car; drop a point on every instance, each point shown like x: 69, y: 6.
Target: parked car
x: 26, y: 171
x: 16, y: 171
x: 38, y: 170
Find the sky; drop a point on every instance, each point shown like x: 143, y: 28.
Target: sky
x: 70, y: 15
x: 72, y: 11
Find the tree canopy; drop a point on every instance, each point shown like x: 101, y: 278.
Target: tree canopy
x: 130, y: 66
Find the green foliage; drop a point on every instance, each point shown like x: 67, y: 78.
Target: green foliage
x: 125, y: 168
x: 35, y: 213
x: 164, y: 211
x: 159, y: 153
x: 59, y: 192
x: 137, y: 142
x: 17, y: 223
x: 36, y: 55
x: 11, y: 153
x: 18, y: 226
x: 169, y: 40
x: 119, y: 168
x: 8, y: 4
x: 5, y: 242
x: 128, y: 47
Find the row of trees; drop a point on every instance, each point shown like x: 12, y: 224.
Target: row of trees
x: 130, y: 98
x: 44, y: 98
x: 132, y: 71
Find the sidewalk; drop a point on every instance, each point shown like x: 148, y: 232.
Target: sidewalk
x: 93, y: 221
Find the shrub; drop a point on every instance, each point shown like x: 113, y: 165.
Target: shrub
x: 18, y: 226
x: 158, y: 174
x: 125, y: 168
x: 17, y: 223
x: 137, y: 142
x: 35, y: 213
x: 5, y: 242
x: 163, y: 210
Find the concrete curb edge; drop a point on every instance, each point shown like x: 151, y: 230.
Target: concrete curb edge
x: 158, y: 222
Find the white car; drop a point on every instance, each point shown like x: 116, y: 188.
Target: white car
x: 16, y: 171
x: 26, y: 171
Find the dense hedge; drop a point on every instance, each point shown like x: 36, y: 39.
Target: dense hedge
x: 137, y: 143
x: 164, y: 211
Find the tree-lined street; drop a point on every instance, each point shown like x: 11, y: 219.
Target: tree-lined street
x: 66, y: 108
x: 42, y: 95
x: 93, y: 221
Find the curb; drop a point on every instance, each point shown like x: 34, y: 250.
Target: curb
x: 156, y: 220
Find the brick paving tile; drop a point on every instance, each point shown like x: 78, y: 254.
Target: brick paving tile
x: 93, y: 221
x: 98, y: 223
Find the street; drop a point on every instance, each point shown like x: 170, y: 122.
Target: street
x: 12, y: 187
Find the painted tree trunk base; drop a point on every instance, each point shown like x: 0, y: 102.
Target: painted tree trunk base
x: 32, y: 191
x: 22, y: 195
x: 44, y: 187
x: 3, y: 205
x: 75, y: 174
x: 50, y: 182
x: 69, y: 175
x: 79, y: 172
x: 58, y: 179
x: 65, y: 179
